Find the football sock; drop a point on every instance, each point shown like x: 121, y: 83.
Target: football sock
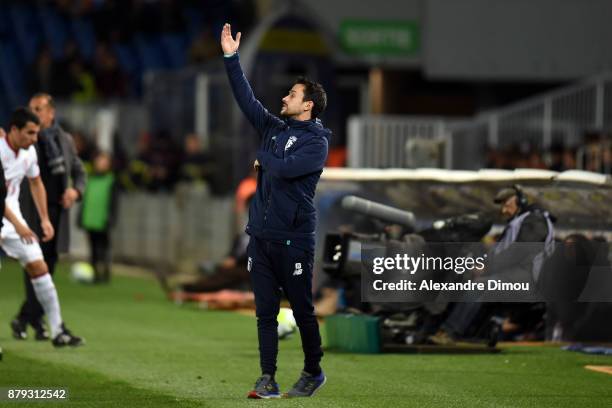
x: 47, y: 296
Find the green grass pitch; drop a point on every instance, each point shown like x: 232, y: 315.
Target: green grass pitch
x: 144, y: 351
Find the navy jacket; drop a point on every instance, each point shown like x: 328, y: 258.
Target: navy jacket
x: 292, y: 155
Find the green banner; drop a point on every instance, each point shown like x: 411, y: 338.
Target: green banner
x: 397, y: 38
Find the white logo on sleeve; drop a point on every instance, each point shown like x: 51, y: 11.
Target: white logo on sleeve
x: 290, y: 142
x: 298, y: 269
x: 249, y: 264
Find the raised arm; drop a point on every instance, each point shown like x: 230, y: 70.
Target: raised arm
x: 305, y: 160
x: 259, y: 116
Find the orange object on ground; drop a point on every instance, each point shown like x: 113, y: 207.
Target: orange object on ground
x: 600, y: 369
x: 223, y: 299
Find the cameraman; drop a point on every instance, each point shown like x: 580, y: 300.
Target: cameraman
x: 64, y: 178
x: 526, y: 223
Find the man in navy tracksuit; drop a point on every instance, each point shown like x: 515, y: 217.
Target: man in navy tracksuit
x: 282, y: 217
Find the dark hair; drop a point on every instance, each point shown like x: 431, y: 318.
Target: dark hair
x: 314, y: 92
x: 521, y: 198
x: 21, y: 116
x: 49, y: 98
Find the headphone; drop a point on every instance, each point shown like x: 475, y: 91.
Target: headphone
x: 521, y: 199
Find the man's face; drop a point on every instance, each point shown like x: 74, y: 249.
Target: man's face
x: 102, y: 163
x: 509, y: 208
x: 40, y: 106
x: 26, y: 136
x: 293, y: 103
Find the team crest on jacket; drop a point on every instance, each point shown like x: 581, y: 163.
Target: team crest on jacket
x: 290, y: 142
x: 298, y: 269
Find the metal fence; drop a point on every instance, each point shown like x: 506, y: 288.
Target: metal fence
x: 561, y: 117
x: 103, y: 120
x: 398, y: 142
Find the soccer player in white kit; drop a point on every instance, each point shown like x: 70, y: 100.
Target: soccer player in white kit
x: 19, y: 160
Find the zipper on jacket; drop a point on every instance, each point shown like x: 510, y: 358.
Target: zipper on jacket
x: 266, y: 209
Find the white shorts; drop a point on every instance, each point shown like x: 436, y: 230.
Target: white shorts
x: 24, y: 253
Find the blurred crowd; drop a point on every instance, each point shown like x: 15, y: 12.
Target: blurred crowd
x: 73, y: 77
x: 88, y: 50
x: 594, y: 155
x: 159, y: 165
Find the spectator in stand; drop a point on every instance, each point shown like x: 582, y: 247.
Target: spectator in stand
x: 203, y: 48
x: 85, y: 86
x: 607, y: 158
x: 65, y: 80
x: 535, y: 160
x: 195, y: 164
x: 137, y: 174
x: 556, y: 157
x: 163, y: 161
x: 569, y: 158
x: 110, y: 80
x: 41, y: 73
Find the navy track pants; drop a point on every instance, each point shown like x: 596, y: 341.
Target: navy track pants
x: 275, y: 269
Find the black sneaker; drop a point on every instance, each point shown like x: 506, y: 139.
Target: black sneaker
x: 19, y: 329
x: 41, y: 333
x: 66, y: 338
x: 265, y: 387
x: 307, y: 385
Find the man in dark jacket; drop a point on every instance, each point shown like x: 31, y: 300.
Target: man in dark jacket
x: 526, y: 223
x: 527, y: 240
x: 64, y: 178
x: 282, y: 217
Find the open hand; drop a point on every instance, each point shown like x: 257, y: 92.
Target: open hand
x: 228, y: 44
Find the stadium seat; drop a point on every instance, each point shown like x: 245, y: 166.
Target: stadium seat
x: 129, y: 64
x: 26, y: 31
x: 11, y: 75
x: 193, y: 17
x: 175, y: 47
x: 84, y: 35
x: 55, y: 29
x: 150, y: 52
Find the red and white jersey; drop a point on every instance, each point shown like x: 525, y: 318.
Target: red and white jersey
x: 16, y: 167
